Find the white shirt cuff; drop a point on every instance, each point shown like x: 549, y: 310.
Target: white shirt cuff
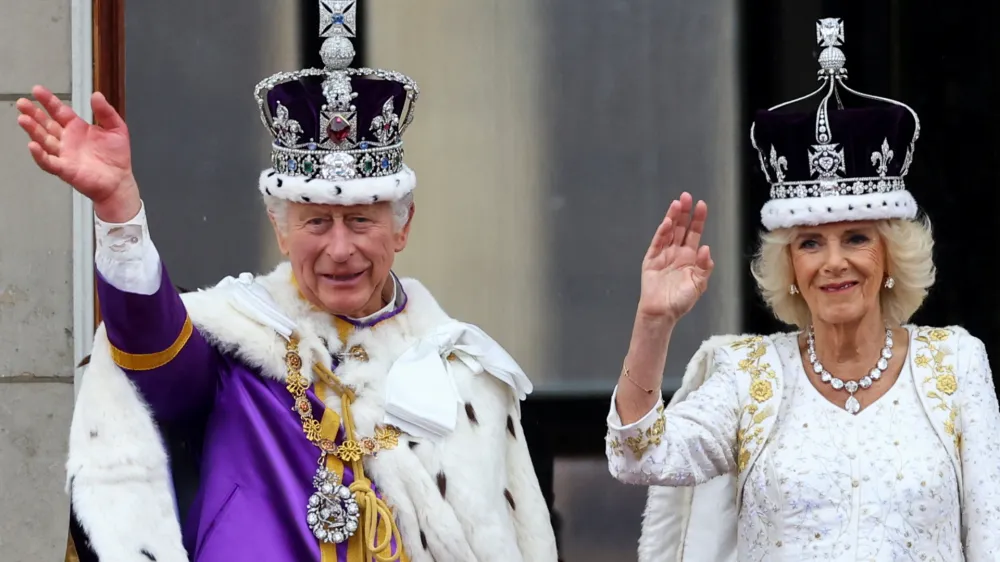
x: 125, y: 255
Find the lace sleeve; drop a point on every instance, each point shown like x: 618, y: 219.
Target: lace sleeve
x: 979, y: 442
x: 125, y: 255
x: 685, y: 444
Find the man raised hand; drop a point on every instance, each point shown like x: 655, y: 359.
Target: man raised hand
x: 95, y: 159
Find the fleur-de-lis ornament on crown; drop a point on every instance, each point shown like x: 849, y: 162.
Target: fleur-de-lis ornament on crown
x: 882, y: 158
x: 779, y: 164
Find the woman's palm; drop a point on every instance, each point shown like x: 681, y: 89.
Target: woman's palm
x: 676, y: 268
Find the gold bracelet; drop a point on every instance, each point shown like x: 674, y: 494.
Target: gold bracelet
x: 629, y: 377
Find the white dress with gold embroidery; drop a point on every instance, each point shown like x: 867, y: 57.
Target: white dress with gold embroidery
x: 828, y: 485
x: 834, y: 486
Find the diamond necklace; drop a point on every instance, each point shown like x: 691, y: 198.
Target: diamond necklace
x: 852, y: 405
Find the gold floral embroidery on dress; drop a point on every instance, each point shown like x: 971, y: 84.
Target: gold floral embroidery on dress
x: 762, y: 381
x: 643, y: 440
x: 616, y: 447
x: 931, y: 356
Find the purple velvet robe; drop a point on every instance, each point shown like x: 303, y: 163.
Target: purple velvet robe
x: 256, y: 464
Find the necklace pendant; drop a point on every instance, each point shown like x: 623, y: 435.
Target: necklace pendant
x: 333, y: 511
x: 852, y: 405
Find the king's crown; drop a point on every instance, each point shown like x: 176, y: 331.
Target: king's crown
x: 337, y: 123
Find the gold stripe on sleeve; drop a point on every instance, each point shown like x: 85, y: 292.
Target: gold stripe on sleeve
x: 150, y: 361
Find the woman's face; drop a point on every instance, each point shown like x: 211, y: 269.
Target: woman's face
x: 839, y: 269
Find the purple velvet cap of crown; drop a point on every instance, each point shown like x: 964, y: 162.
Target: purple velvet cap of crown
x: 860, y: 132
x: 303, y: 98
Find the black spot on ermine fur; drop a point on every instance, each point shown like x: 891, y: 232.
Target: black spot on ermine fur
x: 510, y: 498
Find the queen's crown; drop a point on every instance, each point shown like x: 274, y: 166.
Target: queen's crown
x: 823, y: 151
x: 337, y: 123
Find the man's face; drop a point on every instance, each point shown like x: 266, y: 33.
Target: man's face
x: 342, y: 255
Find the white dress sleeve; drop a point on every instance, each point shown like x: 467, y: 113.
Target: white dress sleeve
x: 686, y: 444
x: 980, y: 453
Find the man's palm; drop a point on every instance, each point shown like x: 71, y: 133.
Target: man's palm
x: 95, y: 159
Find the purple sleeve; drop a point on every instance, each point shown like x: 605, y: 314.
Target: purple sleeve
x: 153, y: 341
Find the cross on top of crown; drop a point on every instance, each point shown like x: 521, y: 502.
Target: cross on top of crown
x: 830, y: 32
x: 337, y: 18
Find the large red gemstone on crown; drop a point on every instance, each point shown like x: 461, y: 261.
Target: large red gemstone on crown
x: 338, y: 129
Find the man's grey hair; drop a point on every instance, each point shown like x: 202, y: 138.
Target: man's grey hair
x: 278, y: 208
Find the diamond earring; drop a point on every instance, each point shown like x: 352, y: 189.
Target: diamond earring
x: 793, y: 289
x: 890, y: 282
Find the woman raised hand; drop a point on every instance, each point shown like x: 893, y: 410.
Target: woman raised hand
x: 95, y: 159
x: 676, y: 268
x: 675, y: 274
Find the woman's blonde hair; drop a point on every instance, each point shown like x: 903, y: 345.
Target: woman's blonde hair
x: 909, y: 248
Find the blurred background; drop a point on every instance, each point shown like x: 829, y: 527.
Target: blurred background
x: 550, y: 136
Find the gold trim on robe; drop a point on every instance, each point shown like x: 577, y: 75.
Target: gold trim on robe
x: 150, y: 361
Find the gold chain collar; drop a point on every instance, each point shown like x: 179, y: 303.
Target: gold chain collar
x: 376, y: 513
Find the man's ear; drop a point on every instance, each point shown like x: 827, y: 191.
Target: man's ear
x: 403, y: 236
x: 279, y: 233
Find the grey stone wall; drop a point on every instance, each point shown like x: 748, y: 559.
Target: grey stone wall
x: 36, y: 288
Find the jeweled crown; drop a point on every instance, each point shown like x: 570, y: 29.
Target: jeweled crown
x: 827, y: 151
x: 337, y: 123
